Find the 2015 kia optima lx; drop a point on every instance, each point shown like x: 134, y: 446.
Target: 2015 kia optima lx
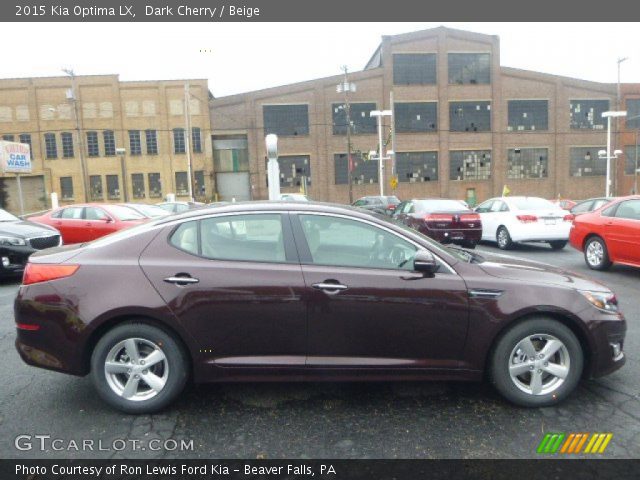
x: 294, y: 291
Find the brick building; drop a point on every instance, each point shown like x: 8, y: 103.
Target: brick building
x: 465, y: 126
x: 145, y: 118
x: 627, y: 177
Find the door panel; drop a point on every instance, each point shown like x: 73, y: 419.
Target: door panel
x: 622, y: 232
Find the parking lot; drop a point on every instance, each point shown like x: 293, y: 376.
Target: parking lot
x: 327, y: 420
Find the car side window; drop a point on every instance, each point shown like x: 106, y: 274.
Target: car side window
x: 598, y: 203
x: 629, y: 209
x: 360, y: 203
x: 93, y: 213
x: 57, y: 214
x: 582, y: 207
x: 342, y: 242
x: 185, y: 237
x: 610, y: 211
x: 485, y: 206
x: 72, y: 213
x: 181, y: 208
x: 256, y: 238
x: 498, y: 206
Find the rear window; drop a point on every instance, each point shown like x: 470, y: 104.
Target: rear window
x: 440, y: 206
x: 125, y: 213
x: 531, y: 203
x: 392, y: 200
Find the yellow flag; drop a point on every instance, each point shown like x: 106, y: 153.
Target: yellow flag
x: 505, y: 191
x: 393, y: 182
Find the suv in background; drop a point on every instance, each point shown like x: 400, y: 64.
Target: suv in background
x: 384, y: 205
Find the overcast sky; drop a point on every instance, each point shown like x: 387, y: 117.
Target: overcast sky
x: 239, y: 57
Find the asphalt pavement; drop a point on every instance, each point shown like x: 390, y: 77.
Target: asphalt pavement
x: 319, y: 420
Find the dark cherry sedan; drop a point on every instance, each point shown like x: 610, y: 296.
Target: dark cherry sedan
x: 306, y: 291
x: 447, y: 221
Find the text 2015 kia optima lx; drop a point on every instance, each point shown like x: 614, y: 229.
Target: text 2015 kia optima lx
x: 294, y: 291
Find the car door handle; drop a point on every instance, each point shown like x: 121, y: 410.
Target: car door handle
x: 330, y: 288
x: 181, y: 280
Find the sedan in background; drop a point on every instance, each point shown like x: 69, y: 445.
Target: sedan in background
x: 305, y: 291
x: 19, y: 239
x: 84, y: 223
x: 179, y: 207
x: 447, y: 221
x: 149, y: 211
x: 564, y: 203
x: 610, y: 234
x: 293, y: 197
x: 383, y: 205
x: 590, y: 205
x: 508, y: 220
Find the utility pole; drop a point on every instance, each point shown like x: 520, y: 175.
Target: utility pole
x: 393, y: 137
x: 347, y: 87
x: 74, y: 98
x: 617, y: 125
x: 187, y: 138
x: 381, y: 157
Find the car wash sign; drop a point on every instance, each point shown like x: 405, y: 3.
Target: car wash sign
x: 15, y: 157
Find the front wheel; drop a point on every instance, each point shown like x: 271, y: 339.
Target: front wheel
x: 558, y: 244
x: 504, y: 239
x: 596, y: 254
x: 138, y: 368
x: 536, y: 363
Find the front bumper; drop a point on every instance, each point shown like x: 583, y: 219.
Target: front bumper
x: 606, y: 333
x: 14, y: 259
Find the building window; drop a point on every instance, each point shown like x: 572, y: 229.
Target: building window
x: 196, y: 142
x: 527, y: 163
x: 113, y: 187
x: 198, y: 183
x: 633, y: 113
x: 93, y: 149
x: 414, y: 69
x: 155, y: 185
x: 95, y: 187
x: 415, y: 117
x: 631, y: 159
x: 361, y: 121
x: 151, y: 137
x: 66, y: 188
x: 137, y: 183
x: 362, y: 171
x: 109, y: 143
x: 9, y: 138
x: 469, y: 68
x: 470, y: 116
x: 230, y: 153
x: 286, y: 120
x: 528, y: 115
x: 294, y: 170
x: 26, y: 138
x: 415, y: 167
x: 587, y: 114
x: 470, y: 165
x: 135, y: 146
x: 67, y: 144
x: 178, y: 140
x: 584, y: 162
x: 51, y: 147
x: 182, y: 183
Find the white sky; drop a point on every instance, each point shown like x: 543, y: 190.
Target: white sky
x: 241, y: 57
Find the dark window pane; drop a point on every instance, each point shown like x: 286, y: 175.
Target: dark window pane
x: 182, y: 183
x: 66, y: 188
x: 95, y: 187
x: 633, y: 113
x: 417, y: 166
x: 109, y: 143
x: 585, y: 162
x: 93, y: 149
x: 416, y: 117
x: 196, y: 141
x: 527, y: 163
x: 137, y: 182
x: 178, y: 141
x: 113, y: 187
x: 286, y: 120
x: 361, y: 121
x: 470, y: 116
x: 151, y: 137
x: 135, y: 147
x: 198, y: 185
x: 9, y: 138
x: 155, y: 185
x: 293, y: 170
x: 414, y: 69
x: 51, y: 145
x: 470, y: 165
x: 363, y: 171
x: 26, y: 138
x: 67, y: 144
x: 631, y: 159
x: 587, y: 114
x: 469, y: 68
x: 528, y: 115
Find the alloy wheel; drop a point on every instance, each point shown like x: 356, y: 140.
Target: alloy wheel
x: 539, y: 364
x: 136, y: 369
x: 595, y: 253
x: 503, y: 238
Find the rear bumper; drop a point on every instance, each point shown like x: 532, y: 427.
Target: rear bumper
x: 457, y: 236
x: 540, y: 233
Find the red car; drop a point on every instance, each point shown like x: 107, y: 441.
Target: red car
x: 447, y: 221
x: 610, y: 234
x: 83, y: 223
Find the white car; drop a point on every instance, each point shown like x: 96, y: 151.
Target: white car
x: 507, y: 220
x: 293, y: 197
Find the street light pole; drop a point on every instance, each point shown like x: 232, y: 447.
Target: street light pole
x: 187, y: 138
x: 381, y: 157
x: 76, y: 114
x: 347, y: 87
x: 609, y: 115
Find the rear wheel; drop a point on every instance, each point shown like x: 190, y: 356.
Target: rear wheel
x: 596, y: 254
x: 470, y: 244
x: 504, y: 239
x: 138, y: 368
x: 537, y: 363
x: 558, y: 244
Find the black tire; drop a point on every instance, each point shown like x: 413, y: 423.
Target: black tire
x: 176, y: 364
x: 500, y: 361
x: 469, y: 244
x: 596, y: 243
x: 558, y: 244
x: 504, y: 242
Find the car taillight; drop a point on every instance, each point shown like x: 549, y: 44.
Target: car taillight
x: 569, y: 218
x: 391, y: 207
x: 470, y: 217
x: 43, y: 272
x: 527, y: 218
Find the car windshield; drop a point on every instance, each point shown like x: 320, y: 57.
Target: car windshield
x: 392, y: 200
x: 440, y: 206
x: 7, y: 217
x: 531, y: 203
x: 125, y: 213
x: 151, y: 211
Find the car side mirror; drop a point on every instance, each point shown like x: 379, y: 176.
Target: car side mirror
x: 108, y: 220
x: 425, y: 262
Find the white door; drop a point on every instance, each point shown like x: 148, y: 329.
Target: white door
x: 233, y: 186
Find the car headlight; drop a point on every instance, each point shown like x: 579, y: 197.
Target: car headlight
x: 604, y: 301
x: 14, y: 241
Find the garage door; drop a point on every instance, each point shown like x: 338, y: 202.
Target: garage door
x: 33, y: 194
x: 233, y: 185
